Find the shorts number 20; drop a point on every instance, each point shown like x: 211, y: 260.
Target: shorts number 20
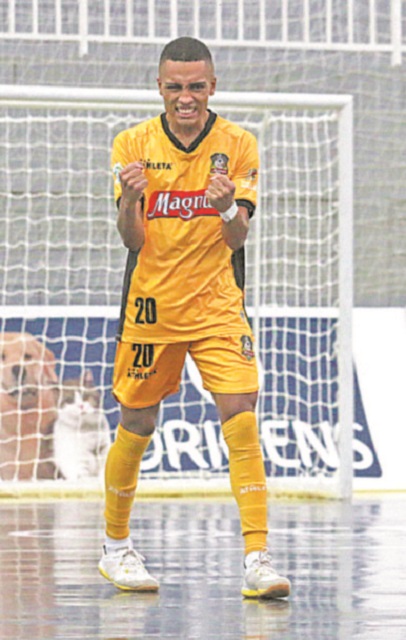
x: 143, y: 355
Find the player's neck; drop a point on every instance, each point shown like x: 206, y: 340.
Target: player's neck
x: 187, y: 134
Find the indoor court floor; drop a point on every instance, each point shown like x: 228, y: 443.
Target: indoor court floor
x: 347, y: 564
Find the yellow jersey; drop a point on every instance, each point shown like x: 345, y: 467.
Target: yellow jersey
x: 185, y: 283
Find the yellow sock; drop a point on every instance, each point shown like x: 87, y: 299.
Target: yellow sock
x: 247, y: 477
x: 121, y: 475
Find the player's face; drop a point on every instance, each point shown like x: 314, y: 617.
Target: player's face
x: 186, y: 88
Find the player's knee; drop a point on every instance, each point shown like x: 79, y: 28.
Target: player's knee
x: 230, y: 405
x: 139, y: 421
x: 241, y: 435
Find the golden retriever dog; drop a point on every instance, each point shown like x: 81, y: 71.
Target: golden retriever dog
x: 28, y: 407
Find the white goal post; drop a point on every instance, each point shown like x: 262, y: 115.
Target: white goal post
x: 60, y: 286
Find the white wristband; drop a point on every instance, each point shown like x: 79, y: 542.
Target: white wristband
x: 230, y: 214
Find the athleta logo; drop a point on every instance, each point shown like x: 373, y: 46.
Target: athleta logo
x: 251, y: 488
x: 180, y: 204
x: 157, y: 166
x: 122, y: 494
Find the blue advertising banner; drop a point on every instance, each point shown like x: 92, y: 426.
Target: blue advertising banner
x: 298, y: 405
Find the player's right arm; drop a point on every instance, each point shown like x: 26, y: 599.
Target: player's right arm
x: 130, y: 215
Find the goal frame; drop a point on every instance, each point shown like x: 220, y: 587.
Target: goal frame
x: 123, y: 100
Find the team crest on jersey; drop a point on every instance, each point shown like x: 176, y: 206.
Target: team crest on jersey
x: 247, y: 348
x: 219, y: 163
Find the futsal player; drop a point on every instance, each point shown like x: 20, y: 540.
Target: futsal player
x: 185, y: 186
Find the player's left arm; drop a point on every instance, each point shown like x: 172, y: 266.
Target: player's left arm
x: 235, y: 195
x: 221, y: 193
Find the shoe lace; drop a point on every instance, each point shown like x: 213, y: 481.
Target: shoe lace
x: 264, y: 563
x: 132, y: 558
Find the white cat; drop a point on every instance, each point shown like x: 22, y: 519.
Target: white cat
x: 81, y: 431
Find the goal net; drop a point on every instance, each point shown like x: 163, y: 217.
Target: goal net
x: 60, y: 289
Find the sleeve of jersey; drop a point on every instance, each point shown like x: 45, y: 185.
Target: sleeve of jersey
x: 121, y: 156
x: 245, y: 177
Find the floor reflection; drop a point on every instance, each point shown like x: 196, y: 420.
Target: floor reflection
x: 345, y: 561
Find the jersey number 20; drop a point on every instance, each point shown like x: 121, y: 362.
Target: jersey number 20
x: 146, y: 311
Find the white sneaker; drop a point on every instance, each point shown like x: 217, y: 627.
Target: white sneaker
x: 262, y: 581
x: 125, y: 569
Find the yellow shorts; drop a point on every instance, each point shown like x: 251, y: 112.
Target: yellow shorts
x: 144, y: 374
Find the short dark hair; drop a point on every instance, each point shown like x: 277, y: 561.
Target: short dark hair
x: 186, y: 49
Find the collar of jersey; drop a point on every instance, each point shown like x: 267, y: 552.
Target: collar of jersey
x: 206, y: 130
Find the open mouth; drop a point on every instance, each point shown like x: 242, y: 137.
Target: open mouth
x: 186, y: 112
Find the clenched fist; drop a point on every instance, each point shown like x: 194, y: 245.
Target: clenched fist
x: 220, y: 192
x: 133, y: 181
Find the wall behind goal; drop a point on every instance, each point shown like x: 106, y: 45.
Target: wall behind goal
x: 379, y: 91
